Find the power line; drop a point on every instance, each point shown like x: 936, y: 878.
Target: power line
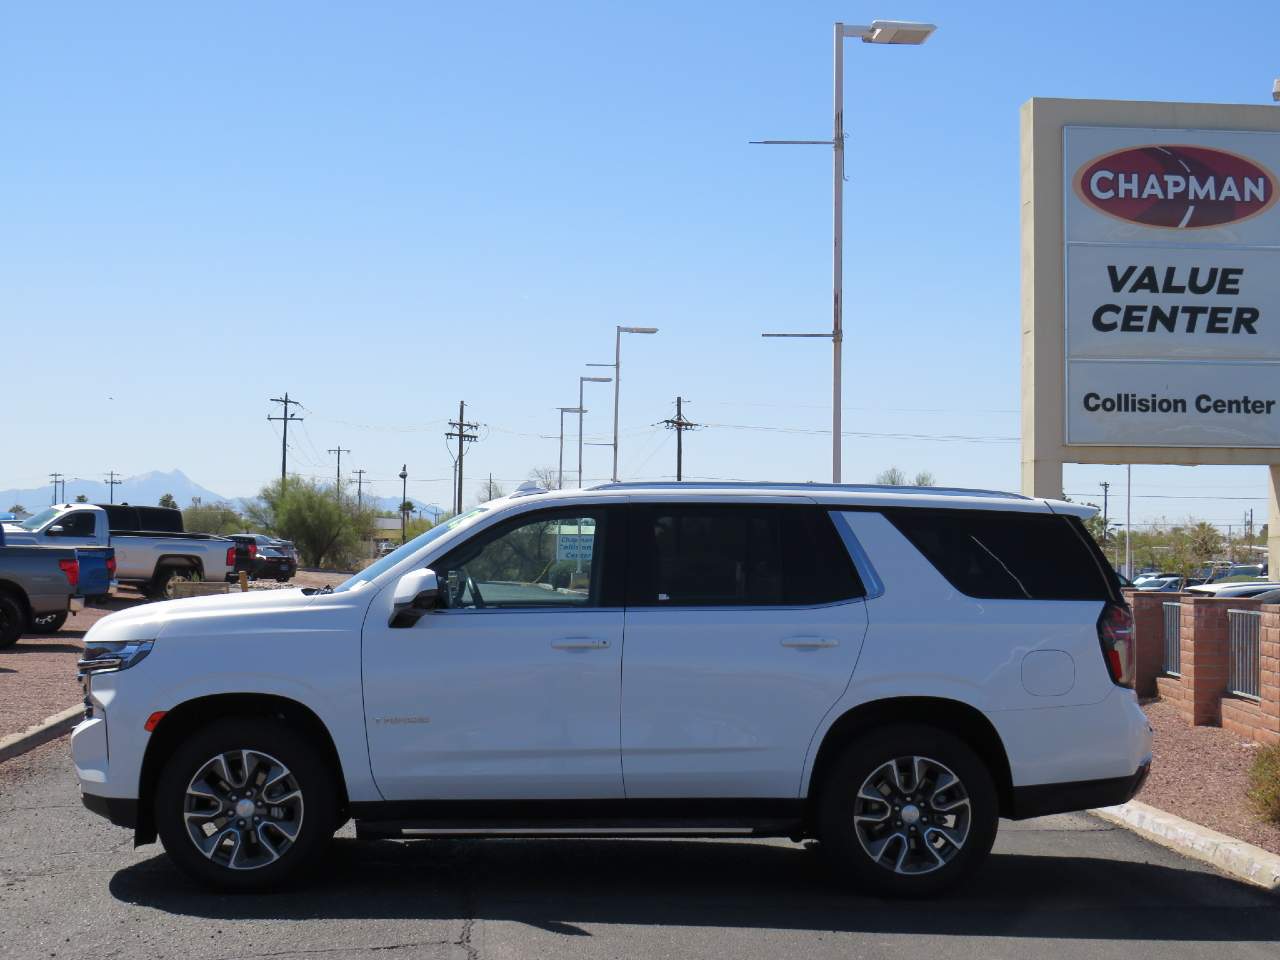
x: 112, y: 483
x: 284, y: 439
x: 58, y: 478
x: 337, y: 479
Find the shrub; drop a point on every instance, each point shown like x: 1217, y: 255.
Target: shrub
x: 1264, y: 783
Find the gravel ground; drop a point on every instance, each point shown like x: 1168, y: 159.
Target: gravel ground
x: 1201, y: 774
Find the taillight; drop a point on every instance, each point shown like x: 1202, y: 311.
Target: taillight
x: 231, y: 556
x: 253, y: 550
x: 72, y: 570
x: 1115, y: 633
x: 111, y: 566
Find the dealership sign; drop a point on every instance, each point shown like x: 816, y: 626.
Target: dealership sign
x: 1172, y: 283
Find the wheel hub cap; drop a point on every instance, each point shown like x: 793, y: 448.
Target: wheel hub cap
x: 912, y: 815
x: 243, y: 809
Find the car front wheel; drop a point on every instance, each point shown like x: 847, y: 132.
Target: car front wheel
x: 245, y: 804
x: 907, y: 811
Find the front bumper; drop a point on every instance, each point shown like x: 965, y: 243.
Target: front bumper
x: 120, y: 811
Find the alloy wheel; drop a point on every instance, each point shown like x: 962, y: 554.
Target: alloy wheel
x: 243, y: 809
x: 912, y: 815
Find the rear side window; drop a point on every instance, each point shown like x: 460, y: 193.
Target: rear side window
x: 1002, y: 555
x: 726, y: 555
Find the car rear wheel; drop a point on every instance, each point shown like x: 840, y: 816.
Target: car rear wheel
x: 908, y: 811
x: 163, y: 582
x: 13, y: 619
x: 49, y: 623
x: 245, y: 804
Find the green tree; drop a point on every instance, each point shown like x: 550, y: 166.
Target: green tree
x: 216, y: 518
x: 1205, y: 541
x: 81, y: 498
x: 167, y: 500
x: 893, y: 477
x: 924, y: 479
x: 326, y: 529
x: 18, y: 508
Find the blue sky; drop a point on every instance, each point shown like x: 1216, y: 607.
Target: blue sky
x: 385, y: 208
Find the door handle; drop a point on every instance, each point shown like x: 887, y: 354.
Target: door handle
x: 809, y: 643
x: 579, y: 643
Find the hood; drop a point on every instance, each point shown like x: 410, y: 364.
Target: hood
x: 148, y: 621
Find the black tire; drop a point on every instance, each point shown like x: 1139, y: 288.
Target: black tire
x: 13, y: 620
x: 940, y: 816
x: 161, y: 586
x: 283, y: 579
x: 315, y: 815
x: 49, y: 623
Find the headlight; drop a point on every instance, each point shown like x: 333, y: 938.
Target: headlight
x: 108, y: 656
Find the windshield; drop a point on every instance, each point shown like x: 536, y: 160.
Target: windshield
x: 408, y: 549
x: 40, y: 519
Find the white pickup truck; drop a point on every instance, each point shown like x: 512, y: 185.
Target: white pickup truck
x: 152, y: 550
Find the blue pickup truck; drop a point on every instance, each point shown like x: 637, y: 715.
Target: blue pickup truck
x: 94, y: 580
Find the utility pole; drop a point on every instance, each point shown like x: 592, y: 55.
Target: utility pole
x: 284, y: 439
x: 112, y: 483
x: 337, y: 480
x: 359, y: 474
x: 679, y: 424
x: 460, y: 432
x: 55, y: 477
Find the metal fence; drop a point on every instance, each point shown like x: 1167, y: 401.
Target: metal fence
x: 1172, y: 638
x: 1245, y: 677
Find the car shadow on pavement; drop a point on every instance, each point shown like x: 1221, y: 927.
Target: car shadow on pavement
x: 44, y: 645
x: 560, y: 885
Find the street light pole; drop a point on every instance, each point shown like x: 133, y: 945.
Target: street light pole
x: 404, y: 497
x: 582, y: 381
x: 880, y: 31
x: 617, y: 382
x: 560, y: 469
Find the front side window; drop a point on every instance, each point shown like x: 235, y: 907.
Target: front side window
x: 78, y: 524
x: 547, y: 560
x: 717, y: 555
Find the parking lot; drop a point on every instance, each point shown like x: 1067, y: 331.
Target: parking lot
x: 1068, y: 886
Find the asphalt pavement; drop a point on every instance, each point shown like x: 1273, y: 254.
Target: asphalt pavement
x: 71, y: 885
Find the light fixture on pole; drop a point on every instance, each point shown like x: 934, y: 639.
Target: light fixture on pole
x: 560, y: 468
x: 880, y: 31
x: 581, y: 411
x: 617, y: 382
x: 404, y: 498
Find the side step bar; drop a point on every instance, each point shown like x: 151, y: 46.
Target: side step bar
x: 425, y: 829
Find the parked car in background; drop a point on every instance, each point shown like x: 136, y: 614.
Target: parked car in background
x: 151, y: 548
x: 888, y: 671
x: 36, y: 581
x: 1233, y: 589
x: 1160, y: 584
x: 1271, y: 596
x: 263, y: 557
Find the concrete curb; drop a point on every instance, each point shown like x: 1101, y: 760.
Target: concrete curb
x: 48, y: 729
x: 1241, y: 860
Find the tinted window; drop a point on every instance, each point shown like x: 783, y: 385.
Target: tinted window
x: 120, y: 517
x: 1008, y: 556
x: 77, y: 524
x: 543, y: 560
x: 717, y: 555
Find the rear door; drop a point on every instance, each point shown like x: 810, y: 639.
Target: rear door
x: 743, y: 626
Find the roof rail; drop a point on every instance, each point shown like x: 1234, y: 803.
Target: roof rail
x: 806, y: 487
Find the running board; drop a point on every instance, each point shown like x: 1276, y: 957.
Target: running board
x: 426, y: 829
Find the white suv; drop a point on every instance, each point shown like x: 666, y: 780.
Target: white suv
x: 888, y: 670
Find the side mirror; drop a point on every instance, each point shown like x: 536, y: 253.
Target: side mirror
x: 55, y: 530
x: 417, y: 590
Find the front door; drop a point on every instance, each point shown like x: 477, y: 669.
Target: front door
x: 744, y: 623
x: 511, y: 689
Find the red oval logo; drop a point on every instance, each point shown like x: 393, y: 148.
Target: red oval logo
x: 1176, y: 187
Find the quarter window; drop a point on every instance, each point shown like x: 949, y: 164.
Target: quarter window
x: 716, y: 555
x: 549, y: 560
